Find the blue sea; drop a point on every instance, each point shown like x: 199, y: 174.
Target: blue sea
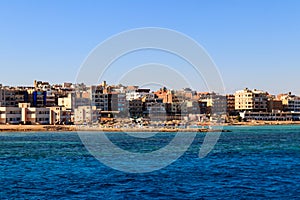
x: 247, y: 163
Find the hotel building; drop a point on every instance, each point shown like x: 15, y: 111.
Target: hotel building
x: 251, y: 100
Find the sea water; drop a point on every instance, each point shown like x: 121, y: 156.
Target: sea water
x: 247, y: 163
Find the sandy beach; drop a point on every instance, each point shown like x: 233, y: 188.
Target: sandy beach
x: 43, y: 128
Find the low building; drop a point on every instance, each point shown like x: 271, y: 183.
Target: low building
x: 86, y: 115
x: 59, y: 115
x: 34, y: 115
x: 10, y: 115
x: 270, y: 116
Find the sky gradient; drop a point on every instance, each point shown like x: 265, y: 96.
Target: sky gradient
x: 255, y: 44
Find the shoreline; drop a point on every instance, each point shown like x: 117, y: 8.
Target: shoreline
x: 74, y: 128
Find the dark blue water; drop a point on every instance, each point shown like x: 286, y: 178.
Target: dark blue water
x: 248, y: 163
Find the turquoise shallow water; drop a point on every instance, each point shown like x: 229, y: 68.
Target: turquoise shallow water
x: 248, y: 163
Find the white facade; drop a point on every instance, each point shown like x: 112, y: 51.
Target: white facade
x: 135, y: 95
x: 67, y: 102
x: 86, y: 115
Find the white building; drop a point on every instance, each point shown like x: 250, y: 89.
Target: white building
x: 67, y: 102
x: 86, y: 115
x: 139, y: 93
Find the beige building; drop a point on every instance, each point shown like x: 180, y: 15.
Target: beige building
x: 10, y: 115
x: 291, y: 103
x: 34, y: 115
x: 251, y: 100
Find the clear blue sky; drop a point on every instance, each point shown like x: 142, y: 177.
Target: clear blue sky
x: 254, y: 43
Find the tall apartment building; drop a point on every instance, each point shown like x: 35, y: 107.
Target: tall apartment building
x: 103, y: 100
x: 230, y: 98
x: 123, y: 105
x: 37, y: 98
x: 251, y: 100
x: 11, y: 97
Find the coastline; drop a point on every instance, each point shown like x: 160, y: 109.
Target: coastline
x: 73, y: 128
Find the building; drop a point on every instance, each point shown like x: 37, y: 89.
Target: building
x: 51, y: 99
x: 216, y: 103
x: 11, y: 97
x: 86, y: 115
x: 251, y: 100
x: 173, y: 111
x: 154, y: 109
x: 37, y: 98
x: 59, y: 115
x: 270, y: 116
x: 103, y: 98
x: 230, y: 100
x: 67, y: 102
x: 166, y: 95
x: 274, y: 105
x: 135, y: 108
x: 291, y: 103
x: 34, y: 115
x: 123, y: 105
x: 10, y: 115
x: 138, y: 93
x: 203, y: 109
